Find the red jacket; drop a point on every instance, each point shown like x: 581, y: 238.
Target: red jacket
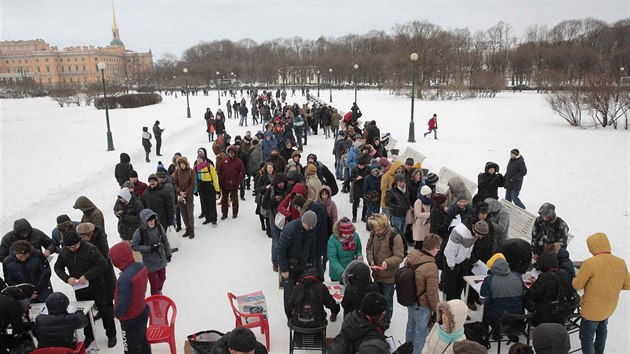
x: 131, y: 285
x: 347, y: 117
x: 231, y: 170
x: 432, y: 123
x: 286, y: 207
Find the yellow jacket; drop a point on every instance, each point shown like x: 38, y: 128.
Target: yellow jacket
x: 387, y: 180
x: 209, y: 174
x: 602, y: 277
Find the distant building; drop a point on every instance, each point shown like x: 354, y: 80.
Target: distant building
x: 76, y: 66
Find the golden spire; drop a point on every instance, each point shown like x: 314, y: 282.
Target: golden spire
x: 114, y: 26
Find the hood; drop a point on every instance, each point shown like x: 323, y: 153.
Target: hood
x: 84, y: 204
x: 456, y: 185
x: 548, y: 260
x: 548, y: 209
x: 500, y: 267
x: 394, y: 167
x: 184, y: 160
x: 57, y: 303
x: 355, y: 326
x: 310, y: 276
x: 146, y: 214
x: 121, y: 255
x: 22, y: 225
x: 416, y: 258
x: 493, y: 205
x: 311, y: 156
x: 125, y: 194
x: 456, y: 311
x: 299, y: 188
x: 598, y: 243
x: 357, y: 274
x: 491, y: 164
x: 319, y: 196
x: 232, y: 148
x: 124, y: 157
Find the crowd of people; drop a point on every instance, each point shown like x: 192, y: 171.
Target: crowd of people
x: 435, y: 239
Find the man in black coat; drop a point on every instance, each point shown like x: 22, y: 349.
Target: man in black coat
x: 28, y: 265
x: 311, y: 289
x: 160, y: 201
x: 81, y: 263
x: 157, y: 133
x: 488, y: 183
x: 22, y: 230
x: 97, y: 236
x: 518, y: 254
x: 121, y: 172
x: 514, y: 174
x: 14, y: 302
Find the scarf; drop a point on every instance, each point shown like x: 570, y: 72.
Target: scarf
x: 347, y: 243
x: 449, y: 337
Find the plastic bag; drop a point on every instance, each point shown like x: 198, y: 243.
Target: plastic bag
x: 202, y: 342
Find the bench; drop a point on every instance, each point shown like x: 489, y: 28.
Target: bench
x: 446, y: 174
x: 410, y: 152
x: 522, y: 222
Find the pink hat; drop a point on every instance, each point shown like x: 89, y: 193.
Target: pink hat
x: 345, y: 226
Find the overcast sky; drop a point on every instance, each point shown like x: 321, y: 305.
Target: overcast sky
x: 174, y: 25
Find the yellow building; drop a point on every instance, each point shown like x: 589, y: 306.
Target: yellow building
x: 77, y: 66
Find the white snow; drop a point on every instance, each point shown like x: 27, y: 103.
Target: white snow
x: 52, y: 155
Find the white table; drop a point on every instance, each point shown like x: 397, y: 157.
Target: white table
x: 473, y: 281
x: 38, y: 308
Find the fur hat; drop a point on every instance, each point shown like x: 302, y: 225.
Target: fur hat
x: 311, y: 169
x: 345, y: 226
x: 85, y: 228
x: 373, y: 304
x: 439, y: 198
x: 57, y: 303
x: 426, y: 190
x: 62, y: 218
x: 242, y: 340
x: 71, y: 238
x: 378, y: 222
x: 481, y: 227
x: 309, y: 218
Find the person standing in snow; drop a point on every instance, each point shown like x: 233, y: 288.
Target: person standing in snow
x: 90, y: 212
x: 121, y: 172
x: 151, y: 241
x: 157, y: 132
x: 514, y: 173
x: 146, y: 142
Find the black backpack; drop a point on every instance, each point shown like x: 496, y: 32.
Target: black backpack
x: 341, y: 345
x: 306, y: 310
x: 391, y: 242
x: 406, y: 285
x: 567, y: 299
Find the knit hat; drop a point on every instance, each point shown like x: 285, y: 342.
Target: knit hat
x: 385, y: 164
x: 439, y: 198
x: 85, y: 228
x: 133, y: 174
x: 242, y: 340
x: 152, y: 176
x: 345, y: 226
x: 71, y: 238
x: 469, y: 347
x: 309, y: 218
x: 494, y: 257
x: 515, y: 152
x: 375, y: 166
x: 400, y: 177
x: 274, y: 148
x: 62, y: 218
x: 311, y: 169
x: 161, y: 174
x: 373, y: 304
x: 160, y: 167
x: 378, y: 222
x: 481, y: 227
x: 550, y: 338
x: 409, y: 161
x: 299, y: 200
x: 461, y: 196
x: 432, y: 178
x: 57, y: 303
x: 426, y: 190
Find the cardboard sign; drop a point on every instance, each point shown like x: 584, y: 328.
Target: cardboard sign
x: 253, y: 303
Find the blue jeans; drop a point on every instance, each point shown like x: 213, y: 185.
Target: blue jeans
x: 399, y: 223
x: 387, y: 290
x: 593, y: 330
x: 371, y: 209
x: 511, y: 195
x: 338, y: 168
x: 275, y: 236
x: 417, y: 330
x: 243, y: 120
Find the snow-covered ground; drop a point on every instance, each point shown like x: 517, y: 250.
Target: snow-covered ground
x: 52, y: 155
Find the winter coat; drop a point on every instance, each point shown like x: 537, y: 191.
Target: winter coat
x: 566, y: 263
x: 357, y: 184
x: 602, y: 277
x: 427, y: 279
x: 11, y: 313
x: 87, y: 261
x: 143, y: 240
x: 334, y: 119
x: 57, y: 236
x: 439, y: 222
x: 296, y: 247
x: 387, y: 181
x: 421, y: 224
x: 372, y: 189
x: 99, y: 239
x: 545, y: 233
x: 457, y: 188
x: 206, y: 172
x: 122, y: 169
x: 365, y: 337
x: 397, y: 202
x: 274, y: 196
x: 286, y: 207
x: 518, y: 253
x: 372, y: 133
x: 312, y: 281
x: 321, y: 229
x: 35, y: 270
x: 358, y: 282
x: 132, y: 283
x: 379, y: 251
x: 503, y: 291
x: 286, y: 153
x: 499, y: 218
x: 157, y: 131
x: 277, y: 161
x: 139, y: 188
x: 459, y: 246
x: 313, y: 185
x: 219, y: 125
x: 90, y: 212
x: 514, y: 173
x: 456, y: 311
x: 351, y: 156
x: 488, y: 184
x: 267, y: 144
x: 35, y: 237
x: 128, y: 217
x: 464, y: 213
x: 160, y: 201
x: 340, y: 255
x: 255, y: 159
x: 58, y: 330
x: 326, y: 177
x: 329, y: 204
x: 544, y: 291
x: 146, y: 141
x: 185, y: 180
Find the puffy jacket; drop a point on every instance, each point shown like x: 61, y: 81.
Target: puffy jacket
x: 379, y: 251
x: 90, y: 212
x: 310, y: 280
x: 339, y: 255
x: 488, y: 183
x: 456, y: 311
x: 129, y: 216
x: 499, y: 217
x: 160, y: 201
x: 122, y: 169
x: 426, y: 278
x: 267, y: 144
x: 514, y: 173
x: 255, y: 159
x: 518, y: 254
x: 87, y: 261
x: 145, y: 237
x: 321, y: 229
x: 503, y: 291
x: 35, y: 270
x: 459, y: 246
x: 185, y: 180
x: 365, y: 337
x: 387, y: 181
x: 602, y: 277
x: 358, y: 282
x: 286, y: 207
x: 397, y: 202
x: 548, y: 232
x: 132, y: 283
x: 35, y: 237
x: 421, y: 226
x: 297, y: 244
x: 206, y: 172
x: 58, y: 330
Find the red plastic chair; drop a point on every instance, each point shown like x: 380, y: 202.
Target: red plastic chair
x: 80, y: 349
x: 241, y: 319
x: 161, y: 329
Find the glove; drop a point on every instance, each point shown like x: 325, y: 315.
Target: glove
x: 168, y: 259
x: 196, y: 194
x: 406, y: 348
x: 155, y: 247
x: 333, y: 317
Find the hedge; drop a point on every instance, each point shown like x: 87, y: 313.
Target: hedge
x: 129, y: 101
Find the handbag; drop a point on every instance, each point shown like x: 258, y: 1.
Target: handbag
x: 279, y: 220
x: 173, y: 240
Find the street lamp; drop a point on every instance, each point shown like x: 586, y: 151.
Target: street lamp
x: 218, y: 92
x: 330, y: 83
x: 622, y: 69
x: 187, y: 101
x: 317, y: 83
x: 414, y: 58
x: 356, y: 67
x: 110, y: 141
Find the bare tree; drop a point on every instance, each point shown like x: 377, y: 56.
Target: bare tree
x: 567, y: 104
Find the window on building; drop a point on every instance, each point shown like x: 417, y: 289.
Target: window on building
x: 37, y: 60
x: 76, y: 68
x: 75, y: 59
x: 47, y: 69
x: 69, y: 68
x: 38, y: 70
x: 82, y: 59
x: 47, y: 60
x: 83, y: 67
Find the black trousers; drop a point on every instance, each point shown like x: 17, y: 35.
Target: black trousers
x: 104, y: 306
x: 208, y: 201
x: 158, y: 144
x: 454, y: 282
x: 134, y: 334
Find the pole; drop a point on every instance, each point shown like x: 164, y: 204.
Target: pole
x: 412, y: 137
x: 110, y: 139
x: 218, y: 93
x: 187, y: 102
x: 318, y: 84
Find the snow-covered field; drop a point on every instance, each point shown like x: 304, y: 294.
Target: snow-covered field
x: 52, y: 155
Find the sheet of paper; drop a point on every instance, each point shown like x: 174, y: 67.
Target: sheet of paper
x: 391, y: 344
x: 480, y: 268
x: 81, y: 286
x: 477, y: 287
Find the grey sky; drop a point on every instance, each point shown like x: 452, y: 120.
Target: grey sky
x: 174, y: 25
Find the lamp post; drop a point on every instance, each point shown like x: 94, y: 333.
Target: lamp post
x: 622, y: 69
x: 110, y: 141
x: 414, y: 58
x: 317, y: 83
x: 330, y: 83
x: 187, y: 101
x: 356, y: 67
x: 218, y: 92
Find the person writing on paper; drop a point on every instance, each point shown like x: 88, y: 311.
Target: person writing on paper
x: 14, y: 302
x: 28, y: 265
x: 56, y: 327
x: 81, y: 265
